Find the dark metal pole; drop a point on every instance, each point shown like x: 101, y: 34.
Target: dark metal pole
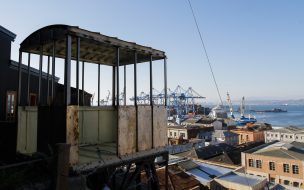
x: 19, y: 77
x: 40, y: 75
x: 77, y: 68
x: 125, y: 85
x: 113, y: 85
x: 165, y: 80
x: 53, y: 71
x: 82, y: 82
x: 67, y: 71
x: 135, y: 98
x: 98, y: 97
x: 151, y: 99
x: 151, y: 82
x: 117, y: 76
x: 135, y: 79
x: 28, y: 78
x: 48, y: 81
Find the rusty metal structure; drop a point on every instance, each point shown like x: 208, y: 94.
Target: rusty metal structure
x: 112, y: 145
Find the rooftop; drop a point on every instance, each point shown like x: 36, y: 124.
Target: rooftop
x: 94, y: 47
x: 240, y: 178
x: 8, y: 33
x: 290, y: 129
x: 280, y: 149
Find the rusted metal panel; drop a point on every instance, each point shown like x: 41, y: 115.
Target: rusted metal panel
x: 144, y: 128
x: 126, y: 130
x: 72, y: 132
x: 160, y: 126
x: 27, y: 129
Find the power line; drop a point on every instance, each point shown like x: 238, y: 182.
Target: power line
x: 205, y: 52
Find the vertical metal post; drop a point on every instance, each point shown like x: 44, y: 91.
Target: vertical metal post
x: 113, y: 85
x: 98, y: 97
x: 40, y: 75
x: 151, y: 99
x: 125, y: 85
x: 48, y: 81
x: 67, y: 71
x: 77, y: 68
x: 165, y: 80
x: 28, y: 78
x: 82, y: 82
x: 117, y: 76
x: 53, y: 71
x: 135, y: 79
x: 19, y: 77
x: 135, y: 98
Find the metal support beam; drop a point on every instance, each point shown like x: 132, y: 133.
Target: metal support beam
x: 113, y: 85
x: 82, y: 82
x: 77, y: 68
x: 40, y: 75
x: 19, y: 78
x: 135, y: 98
x: 125, y: 85
x: 28, y: 78
x: 67, y: 71
x: 48, y: 81
x: 165, y: 80
x: 53, y: 71
x: 117, y: 75
x: 151, y: 99
x: 98, y: 97
x: 135, y: 79
x: 151, y: 81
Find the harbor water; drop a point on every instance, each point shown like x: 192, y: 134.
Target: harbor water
x: 294, y: 115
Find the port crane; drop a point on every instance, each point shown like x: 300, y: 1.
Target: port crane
x: 181, y: 100
x: 230, y: 106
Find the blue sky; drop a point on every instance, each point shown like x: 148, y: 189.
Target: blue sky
x: 256, y: 47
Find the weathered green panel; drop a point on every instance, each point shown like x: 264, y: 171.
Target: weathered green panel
x: 27, y: 129
x: 107, y: 126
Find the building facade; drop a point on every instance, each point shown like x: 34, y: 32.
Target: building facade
x: 246, y: 136
x: 281, y: 163
x: 224, y: 136
x: 287, y: 134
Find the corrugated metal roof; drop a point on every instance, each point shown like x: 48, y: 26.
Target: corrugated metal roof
x: 94, y: 47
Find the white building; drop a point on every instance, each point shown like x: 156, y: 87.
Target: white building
x: 286, y: 134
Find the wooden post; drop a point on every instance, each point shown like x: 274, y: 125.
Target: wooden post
x: 62, y: 166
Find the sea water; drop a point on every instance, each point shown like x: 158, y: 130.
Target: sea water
x: 294, y: 115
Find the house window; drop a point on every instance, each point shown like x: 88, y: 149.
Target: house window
x: 282, y: 136
x: 11, y: 105
x: 267, y: 135
x: 272, y: 181
x: 250, y: 162
x: 271, y: 166
x: 182, y: 135
x: 286, y: 168
x: 170, y: 134
x: 290, y: 136
x: 286, y: 182
x: 258, y: 163
x: 296, y: 184
x: 295, y: 169
x: 276, y: 135
x: 174, y: 134
x: 33, y: 99
x: 297, y: 137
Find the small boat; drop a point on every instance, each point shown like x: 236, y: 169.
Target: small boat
x: 244, y: 120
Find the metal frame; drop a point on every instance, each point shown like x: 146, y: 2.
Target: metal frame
x: 145, y: 162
